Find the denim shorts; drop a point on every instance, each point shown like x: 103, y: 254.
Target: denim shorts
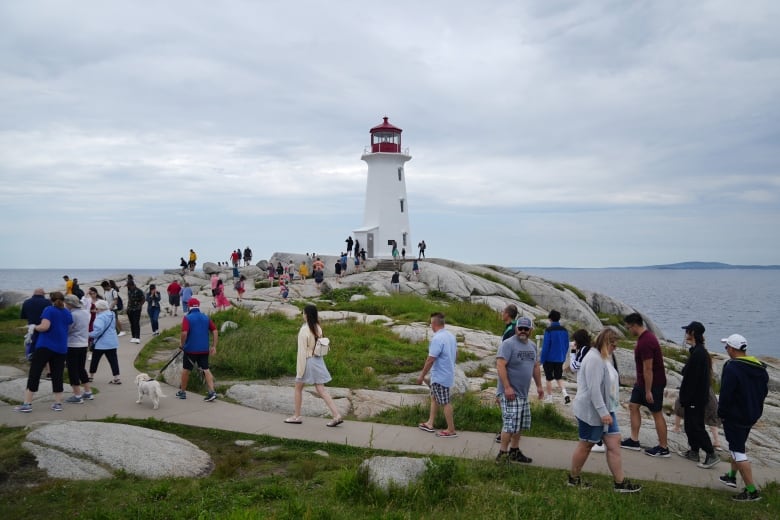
x: 593, y: 434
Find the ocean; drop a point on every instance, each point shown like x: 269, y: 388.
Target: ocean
x: 726, y: 301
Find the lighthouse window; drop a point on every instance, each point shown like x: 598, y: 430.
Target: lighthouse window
x: 402, y: 205
x: 400, y: 172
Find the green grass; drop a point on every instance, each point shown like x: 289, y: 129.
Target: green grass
x: 291, y: 482
x: 12, y: 330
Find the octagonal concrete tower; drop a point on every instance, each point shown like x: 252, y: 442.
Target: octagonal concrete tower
x: 386, y: 214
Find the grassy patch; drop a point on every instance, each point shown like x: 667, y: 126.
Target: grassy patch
x: 292, y: 482
x: 12, y: 331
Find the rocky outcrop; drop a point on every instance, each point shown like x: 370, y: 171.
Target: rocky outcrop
x: 387, y: 472
x: 91, y: 450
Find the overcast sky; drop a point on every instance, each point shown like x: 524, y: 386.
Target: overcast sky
x: 549, y: 133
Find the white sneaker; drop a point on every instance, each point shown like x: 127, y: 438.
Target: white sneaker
x: 121, y: 333
x: 548, y: 399
x: 598, y: 448
x: 135, y: 340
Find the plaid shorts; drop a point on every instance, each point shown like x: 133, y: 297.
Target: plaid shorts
x: 516, y: 415
x: 441, y: 394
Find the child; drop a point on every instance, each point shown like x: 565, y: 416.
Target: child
x: 283, y: 291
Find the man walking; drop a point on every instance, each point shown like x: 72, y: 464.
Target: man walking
x: 516, y: 364
x: 32, y: 309
x: 135, y: 302
x: 555, y: 346
x: 649, y: 388
x: 743, y: 388
x: 195, y: 328
x: 442, y: 353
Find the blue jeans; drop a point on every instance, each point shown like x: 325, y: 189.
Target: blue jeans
x: 154, y: 314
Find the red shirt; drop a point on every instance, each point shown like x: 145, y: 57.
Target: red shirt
x: 174, y: 288
x: 647, y: 347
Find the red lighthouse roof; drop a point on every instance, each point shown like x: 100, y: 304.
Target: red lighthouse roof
x: 385, y: 138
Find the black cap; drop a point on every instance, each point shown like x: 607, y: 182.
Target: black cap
x: 694, y: 327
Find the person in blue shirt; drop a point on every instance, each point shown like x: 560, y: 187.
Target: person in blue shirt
x: 51, y: 347
x: 195, y: 330
x: 555, y: 347
x: 442, y: 353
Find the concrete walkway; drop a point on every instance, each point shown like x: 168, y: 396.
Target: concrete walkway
x: 119, y: 400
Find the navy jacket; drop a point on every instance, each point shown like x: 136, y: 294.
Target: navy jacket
x: 744, y: 385
x: 695, y: 386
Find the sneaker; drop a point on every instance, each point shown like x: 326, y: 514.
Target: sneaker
x: 566, y: 399
x: 47, y: 376
x: 517, y: 457
x: 121, y: 333
x: 690, y: 455
x: 210, y: 396
x: 658, y: 452
x: 24, y: 408
x: 135, y: 340
x: 627, y: 487
x: 87, y: 396
x: 630, y: 444
x: 728, y: 480
x: 77, y: 399
x: 155, y: 333
x: 181, y: 394
x: 598, y: 448
x: 711, y: 460
x: 57, y: 407
x: 747, y: 496
x: 579, y: 483
x: 502, y: 457
x: 548, y: 399
x: 498, y: 437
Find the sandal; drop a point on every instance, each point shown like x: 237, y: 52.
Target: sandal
x: 115, y: 382
x: 424, y: 427
x: 446, y: 434
x: 335, y: 422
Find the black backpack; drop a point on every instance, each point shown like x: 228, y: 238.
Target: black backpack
x: 120, y: 305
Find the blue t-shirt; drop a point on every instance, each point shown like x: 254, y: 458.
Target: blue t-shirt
x: 56, y: 338
x: 444, y: 348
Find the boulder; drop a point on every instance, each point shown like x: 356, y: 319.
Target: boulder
x: 280, y: 399
x: 385, y: 472
x: 89, y: 450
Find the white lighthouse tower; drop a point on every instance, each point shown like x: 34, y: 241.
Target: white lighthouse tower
x: 386, y: 214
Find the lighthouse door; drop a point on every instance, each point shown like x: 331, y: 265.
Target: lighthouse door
x: 370, y: 248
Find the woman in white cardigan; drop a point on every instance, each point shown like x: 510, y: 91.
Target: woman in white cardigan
x: 594, y: 407
x: 311, y: 369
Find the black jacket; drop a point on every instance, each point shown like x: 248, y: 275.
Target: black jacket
x: 743, y: 388
x: 695, y: 386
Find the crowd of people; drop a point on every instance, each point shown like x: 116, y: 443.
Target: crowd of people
x: 66, y: 330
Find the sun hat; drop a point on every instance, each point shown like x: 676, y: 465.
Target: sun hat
x: 524, y: 322
x: 736, y: 341
x: 73, y: 301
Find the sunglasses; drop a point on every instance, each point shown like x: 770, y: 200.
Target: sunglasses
x: 526, y: 329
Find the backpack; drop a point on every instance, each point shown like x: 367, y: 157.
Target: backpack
x: 120, y: 305
x: 78, y: 292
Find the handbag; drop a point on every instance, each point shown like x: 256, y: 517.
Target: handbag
x: 322, y: 347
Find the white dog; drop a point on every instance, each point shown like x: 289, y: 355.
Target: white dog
x: 150, y: 387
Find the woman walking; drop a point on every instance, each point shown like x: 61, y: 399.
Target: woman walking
x: 105, y: 342
x: 51, y: 347
x: 221, y: 300
x: 153, y: 308
x: 594, y: 407
x: 311, y: 369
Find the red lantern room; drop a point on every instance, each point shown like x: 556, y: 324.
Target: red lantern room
x: 386, y: 138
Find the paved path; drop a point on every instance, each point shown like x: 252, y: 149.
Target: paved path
x: 550, y: 453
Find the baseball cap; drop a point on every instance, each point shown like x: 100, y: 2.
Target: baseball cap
x: 695, y: 327
x: 736, y: 341
x: 524, y: 322
x: 73, y: 301
x: 194, y: 302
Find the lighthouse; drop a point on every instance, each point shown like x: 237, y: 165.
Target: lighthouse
x: 386, y: 213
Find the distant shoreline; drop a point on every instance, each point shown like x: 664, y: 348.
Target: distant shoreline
x: 690, y: 266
